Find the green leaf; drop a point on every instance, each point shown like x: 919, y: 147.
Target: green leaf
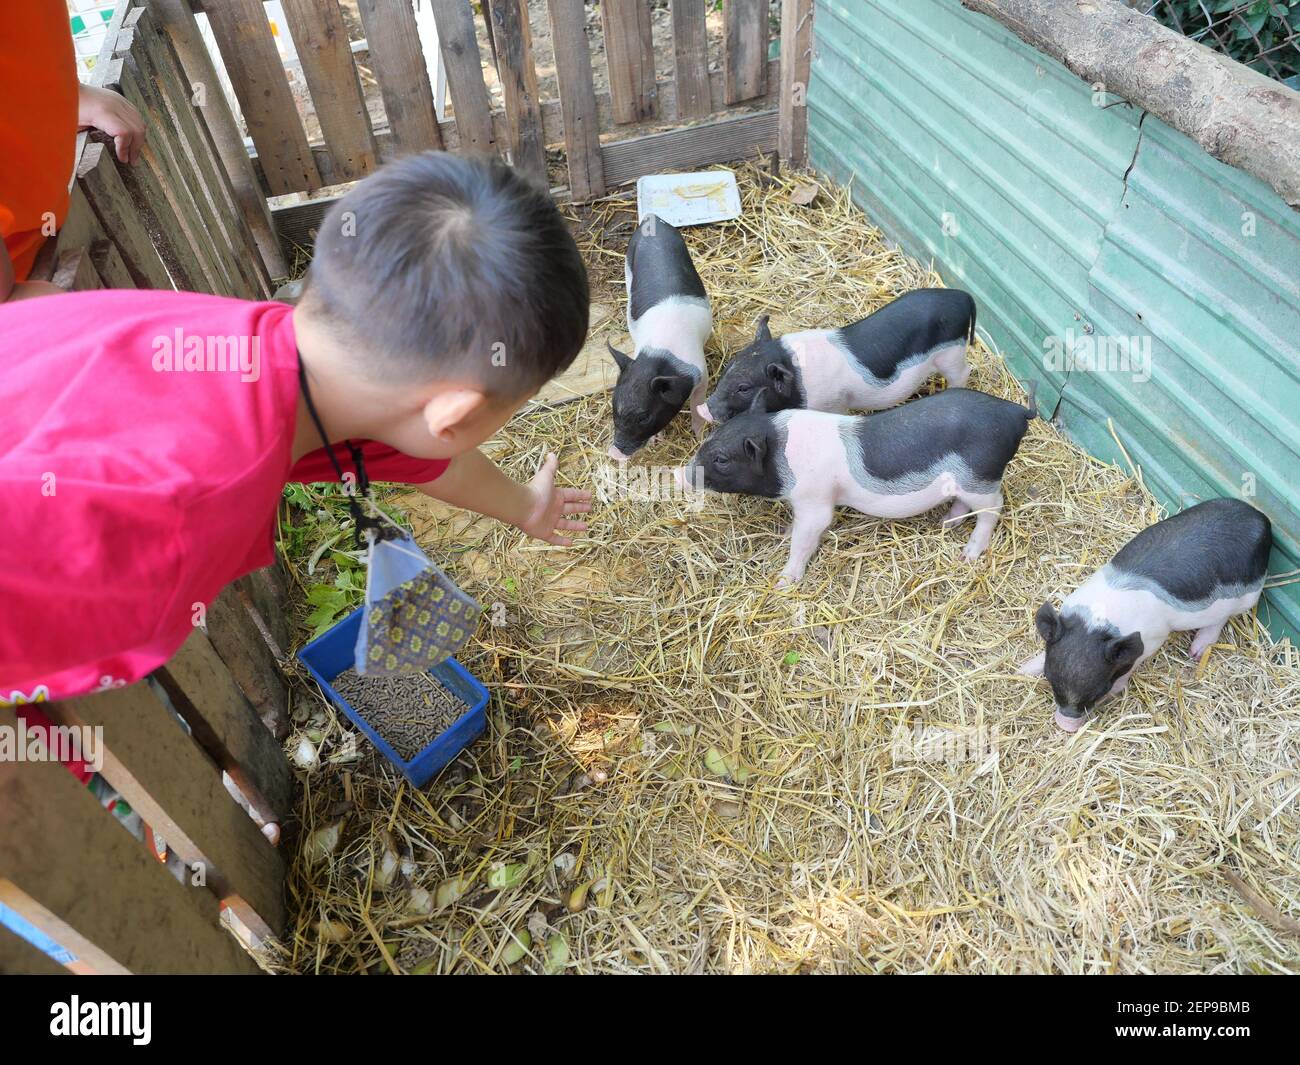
x: 791, y: 658
x: 325, y: 595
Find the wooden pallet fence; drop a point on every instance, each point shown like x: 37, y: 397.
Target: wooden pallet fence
x: 640, y: 123
x: 68, y: 868
x: 172, y: 220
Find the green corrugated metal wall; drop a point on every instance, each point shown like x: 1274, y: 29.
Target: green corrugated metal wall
x: 971, y: 149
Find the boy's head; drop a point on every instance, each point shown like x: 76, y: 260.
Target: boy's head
x: 452, y: 283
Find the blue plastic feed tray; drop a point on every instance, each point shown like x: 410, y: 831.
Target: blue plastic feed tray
x: 334, y: 651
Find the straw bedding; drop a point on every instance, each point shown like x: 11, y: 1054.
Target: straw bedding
x: 686, y: 770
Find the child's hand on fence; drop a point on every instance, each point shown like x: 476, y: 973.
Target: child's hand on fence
x: 552, y: 506
x: 112, y: 113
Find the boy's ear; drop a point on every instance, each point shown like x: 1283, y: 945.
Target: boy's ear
x: 451, y: 410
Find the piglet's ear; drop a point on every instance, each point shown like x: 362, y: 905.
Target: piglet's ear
x: 669, y: 387
x: 778, y: 374
x: 756, y: 449
x: 1123, y: 651
x: 758, y: 405
x: 623, y: 361
x: 762, y: 333
x: 1048, y: 623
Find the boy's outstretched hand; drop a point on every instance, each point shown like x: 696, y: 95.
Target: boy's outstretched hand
x: 539, y: 508
x: 114, y: 114
x: 552, y: 505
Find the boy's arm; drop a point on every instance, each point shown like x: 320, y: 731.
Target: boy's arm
x: 539, y: 508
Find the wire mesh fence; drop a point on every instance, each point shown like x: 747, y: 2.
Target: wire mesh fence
x: 1262, y: 34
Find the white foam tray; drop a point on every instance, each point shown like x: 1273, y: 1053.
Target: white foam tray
x: 689, y: 199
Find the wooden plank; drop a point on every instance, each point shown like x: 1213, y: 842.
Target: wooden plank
x: 796, y: 50
x: 629, y: 51
x: 189, y: 177
x: 98, y: 178
x: 397, y: 60
x: 518, y: 72
x: 691, y: 60
x: 194, y: 115
x: 78, y: 230
x: 144, y: 184
x: 471, y: 105
x: 265, y: 593
x: 108, y: 264
x: 166, y: 778
x: 67, y: 868
x: 199, y: 72
x: 577, y: 99
x: 298, y: 223
x: 745, y: 54
x: 248, y: 49
x: 160, y: 152
x: 226, y: 726
x: 724, y: 141
x: 158, y: 156
x: 553, y: 121
x: 321, y: 38
x: 198, y: 155
x: 75, y: 272
x: 20, y: 958
x: 241, y: 646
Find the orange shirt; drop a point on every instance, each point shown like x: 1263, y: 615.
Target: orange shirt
x: 38, y: 125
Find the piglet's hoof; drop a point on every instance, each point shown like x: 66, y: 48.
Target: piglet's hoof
x: 786, y: 580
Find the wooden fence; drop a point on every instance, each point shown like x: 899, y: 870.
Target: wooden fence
x: 69, y: 869
x: 174, y: 219
x: 640, y: 124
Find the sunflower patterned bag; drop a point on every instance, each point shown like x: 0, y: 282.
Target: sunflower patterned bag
x: 415, y: 617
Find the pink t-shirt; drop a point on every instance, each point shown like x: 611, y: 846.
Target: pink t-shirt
x: 144, y: 444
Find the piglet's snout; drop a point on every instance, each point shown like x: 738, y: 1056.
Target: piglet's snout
x: 1068, y: 723
x: 617, y: 455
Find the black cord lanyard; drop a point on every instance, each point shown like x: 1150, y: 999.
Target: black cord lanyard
x: 361, y: 521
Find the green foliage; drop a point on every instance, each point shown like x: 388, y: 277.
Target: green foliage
x: 1262, y: 34
x: 317, y: 543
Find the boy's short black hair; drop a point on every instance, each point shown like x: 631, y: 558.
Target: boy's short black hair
x: 450, y: 266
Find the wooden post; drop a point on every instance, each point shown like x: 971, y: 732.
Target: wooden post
x: 578, y: 99
x: 253, y: 63
x: 397, y: 59
x: 519, y: 80
x: 691, y: 60
x: 326, y: 55
x: 469, y: 95
x: 629, y: 51
x: 177, y: 20
x: 745, y: 54
x: 796, y: 66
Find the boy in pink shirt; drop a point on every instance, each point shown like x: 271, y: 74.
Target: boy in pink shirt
x: 147, y: 436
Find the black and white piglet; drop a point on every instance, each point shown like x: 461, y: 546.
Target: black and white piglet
x: 869, y: 365
x: 669, y: 318
x: 954, y: 445
x: 1192, y: 571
